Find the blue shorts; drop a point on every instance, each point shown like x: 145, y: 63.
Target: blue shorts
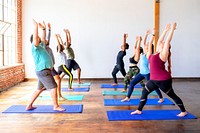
x: 72, y: 64
x: 45, y: 79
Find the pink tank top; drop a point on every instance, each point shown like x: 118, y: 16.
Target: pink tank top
x: 157, y: 68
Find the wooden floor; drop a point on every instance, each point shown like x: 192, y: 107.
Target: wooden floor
x: 93, y: 119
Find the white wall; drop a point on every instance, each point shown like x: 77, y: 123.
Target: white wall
x: 186, y: 40
x: 97, y: 28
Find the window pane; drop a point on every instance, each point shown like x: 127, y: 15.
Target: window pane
x: 0, y: 43
x: 14, y: 5
x: 8, y: 30
x: 5, y: 3
x: 1, y: 12
x: 5, y: 11
x: 13, y: 14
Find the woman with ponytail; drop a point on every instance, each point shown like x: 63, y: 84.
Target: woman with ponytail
x: 133, y: 68
x: 160, y: 77
x: 144, y: 69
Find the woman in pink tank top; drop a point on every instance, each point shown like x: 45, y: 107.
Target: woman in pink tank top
x: 159, y: 76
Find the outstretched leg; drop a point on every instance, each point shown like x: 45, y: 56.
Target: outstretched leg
x: 79, y: 75
x: 66, y: 71
x: 159, y: 95
x: 145, y: 92
x: 126, y: 81
x: 132, y: 72
x: 178, y: 101
x: 33, y: 98
x: 139, y: 77
x: 58, y: 82
x: 114, y: 72
x: 55, y: 100
x: 166, y: 86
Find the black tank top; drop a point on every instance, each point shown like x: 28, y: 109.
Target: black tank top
x: 120, y: 56
x: 132, y: 60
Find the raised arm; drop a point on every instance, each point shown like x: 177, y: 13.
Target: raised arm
x: 124, y: 41
x: 137, y: 50
x: 68, y: 37
x: 59, y: 45
x: 49, y: 33
x: 35, y: 34
x: 146, y: 35
x: 43, y: 36
x: 150, y: 47
x: 135, y: 44
x: 165, y: 52
x: 161, y: 38
x: 60, y: 40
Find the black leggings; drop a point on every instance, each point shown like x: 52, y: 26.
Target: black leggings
x: 116, y: 69
x: 166, y: 87
x: 63, y: 68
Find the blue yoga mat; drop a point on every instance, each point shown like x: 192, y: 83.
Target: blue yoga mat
x: 119, y: 93
x: 123, y: 115
x: 76, y: 89
x: 121, y: 86
x: 132, y: 102
x: 48, y: 97
x: 44, y: 109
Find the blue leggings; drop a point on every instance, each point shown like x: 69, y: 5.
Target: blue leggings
x: 138, y: 78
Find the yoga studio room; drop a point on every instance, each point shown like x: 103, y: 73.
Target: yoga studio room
x: 100, y: 66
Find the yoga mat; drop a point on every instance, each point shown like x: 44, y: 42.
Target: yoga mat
x: 119, y: 93
x: 118, y: 86
x: 132, y: 102
x: 77, y: 84
x: 68, y: 97
x: 123, y: 115
x: 76, y: 89
x: 44, y: 109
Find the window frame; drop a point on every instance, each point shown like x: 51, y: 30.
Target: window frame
x: 8, y: 32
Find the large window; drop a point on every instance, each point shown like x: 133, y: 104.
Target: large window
x: 7, y: 32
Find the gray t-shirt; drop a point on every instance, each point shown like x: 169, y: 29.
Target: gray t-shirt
x: 69, y: 53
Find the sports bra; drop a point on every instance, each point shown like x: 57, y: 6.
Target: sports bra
x: 132, y: 60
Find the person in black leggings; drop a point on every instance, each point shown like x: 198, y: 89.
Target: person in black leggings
x: 144, y: 71
x: 160, y: 77
x: 120, y: 63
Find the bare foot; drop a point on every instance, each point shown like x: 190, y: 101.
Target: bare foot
x: 182, y: 114
x: 30, y: 107
x: 62, y: 98
x: 80, y: 82
x: 125, y: 99
x: 124, y: 90
x: 115, y: 84
x: 70, y: 89
x: 161, y: 100
x: 136, y: 112
x: 59, y: 108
